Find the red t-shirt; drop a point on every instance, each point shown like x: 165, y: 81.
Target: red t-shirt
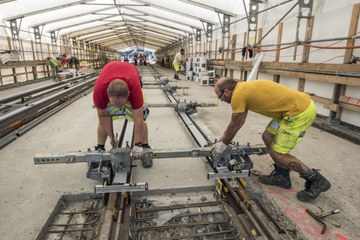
x: 65, y: 60
x: 118, y: 70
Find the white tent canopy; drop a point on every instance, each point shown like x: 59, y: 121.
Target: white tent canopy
x: 152, y: 24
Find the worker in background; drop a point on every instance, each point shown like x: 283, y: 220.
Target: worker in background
x: 178, y: 61
x: 141, y: 59
x: 55, y: 67
x: 136, y: 59
x: 292, y: 113
x: 119, y: 85
x: 70, y: 62
x: 74, y: 62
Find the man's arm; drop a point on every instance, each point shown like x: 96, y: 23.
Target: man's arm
x: 138, y: 116
x: 105, y: 127
x: 237, y: 121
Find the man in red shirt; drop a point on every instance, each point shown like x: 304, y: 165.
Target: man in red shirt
x: 119, y: 85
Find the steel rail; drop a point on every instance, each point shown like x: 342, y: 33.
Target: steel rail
x: 30, y: 92
x: 202, y: 140
x: 17, y: 118
x: 28, y: 126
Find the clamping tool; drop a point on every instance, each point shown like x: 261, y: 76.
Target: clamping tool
x: 318, y: 217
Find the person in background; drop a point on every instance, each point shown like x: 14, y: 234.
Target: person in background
x: 136, y: 59
x: 292, y: 113
x: 55, y: 67
x: 70, y: 62
x: 178, y: 61
x: 119, y: 85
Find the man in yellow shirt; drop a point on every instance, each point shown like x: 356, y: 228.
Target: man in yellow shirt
x: 178, y: 61
x: 292, y: 113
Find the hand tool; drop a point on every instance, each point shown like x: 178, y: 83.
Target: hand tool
x: 318, y: 217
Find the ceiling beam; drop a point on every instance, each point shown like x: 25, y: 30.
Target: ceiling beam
x: 84, y: 31
x: 163, y: 18
x: 174, y: 11
x: 82, y: 23
x: 208, y: 7
x: 70, y: 17
x: 100, y: 36
x: 62, y: 6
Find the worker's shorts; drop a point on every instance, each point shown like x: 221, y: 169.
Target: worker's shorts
x: 126, y: 110
x: 177, y: 67
x: 291, y: 129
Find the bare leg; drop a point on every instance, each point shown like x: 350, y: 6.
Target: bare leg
x: 144, y: 138
x: 286, y: 160
x: 101, y: 135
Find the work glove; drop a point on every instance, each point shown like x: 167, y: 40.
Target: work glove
x: 114, y: 142
x: 218, y: 149
x: 137, y: 151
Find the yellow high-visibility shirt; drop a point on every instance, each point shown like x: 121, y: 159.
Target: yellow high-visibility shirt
x: 269, y: 99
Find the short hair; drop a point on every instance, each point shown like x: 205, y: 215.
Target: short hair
x: 118, y: 88
x: 228, y: 84
x: 64, y: 55
x: 182, y: 50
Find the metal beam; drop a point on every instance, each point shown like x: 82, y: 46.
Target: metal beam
x: 62, y: 6
x: 71, y: 17
x: 82, y: 23
x: 136, y: 34
x: 128, y: 39
x: 160, y: 17
x: 208, y: 7
x: 96, y: 37
x: 82, y: 33
x: 153, y: 29
x: 174, y: 11
x: 163, y: 25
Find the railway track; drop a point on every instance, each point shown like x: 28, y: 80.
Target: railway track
x: 22, y: 111
x: 187, y: 213
x: 221, y: 211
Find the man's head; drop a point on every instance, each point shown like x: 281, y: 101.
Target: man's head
x: 118, y: 92
x: 224, y: 88
x: 64, y: 55
x: 182, y: 51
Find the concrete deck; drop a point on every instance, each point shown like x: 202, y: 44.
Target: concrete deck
x: 28, y: 192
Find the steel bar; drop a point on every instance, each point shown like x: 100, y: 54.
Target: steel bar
x: 226, y: 175
x: 27, y: 127
x: 195, y: 104
x: 75, y: 157
x: 16, y: 116
x: 137, y: 187
x: 30, y: 92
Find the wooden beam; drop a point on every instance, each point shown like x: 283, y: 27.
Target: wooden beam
x: 308, y: 67
x: 242, y: 77
x: 306, y: 50
x: 233, y: 52
x: 279, y: 37
x: 350, y: 100
x: 349, y: 107
x: 259, y: 36
x: 348, y: 52
x: 23, y: 57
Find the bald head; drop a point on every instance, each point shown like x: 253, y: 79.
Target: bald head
x: 224, y: 87
x: 224, y: 83
x: 118, y: 88
x: 219, y: 83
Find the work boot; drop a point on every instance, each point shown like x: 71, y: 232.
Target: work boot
x: 314, y: 185
x: 279, y: 177
x: 99, y: 148
x: 147, y: 162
